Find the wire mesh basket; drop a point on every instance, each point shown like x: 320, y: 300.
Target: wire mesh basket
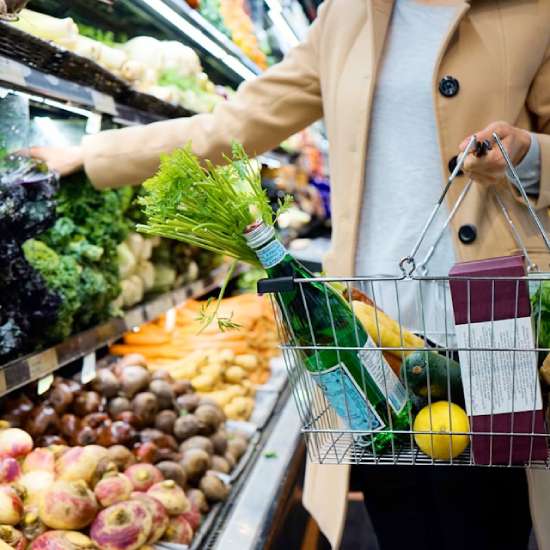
x: 416, y: 370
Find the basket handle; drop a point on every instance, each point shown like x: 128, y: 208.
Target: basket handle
x: 408, y: 264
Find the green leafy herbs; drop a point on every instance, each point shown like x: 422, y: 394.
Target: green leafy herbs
x: 209, y: 207
x: 540, y: 302
x: 206, y: 206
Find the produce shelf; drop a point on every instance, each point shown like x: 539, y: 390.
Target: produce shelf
x: 30, y: 368
x: 65, y: 76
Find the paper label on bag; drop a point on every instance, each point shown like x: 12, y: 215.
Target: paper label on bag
x: 383, y: 376
x: 499, y: 381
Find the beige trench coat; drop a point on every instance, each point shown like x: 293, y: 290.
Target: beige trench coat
x: 498, y: 50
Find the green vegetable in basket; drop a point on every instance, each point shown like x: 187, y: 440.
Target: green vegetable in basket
x: 540, y: 302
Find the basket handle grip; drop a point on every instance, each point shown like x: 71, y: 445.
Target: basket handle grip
x: 408, y: 264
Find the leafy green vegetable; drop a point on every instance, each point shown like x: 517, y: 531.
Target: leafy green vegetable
x: 540, y: 302
x: 62, y: 274
x: 89, y: 227
x: 108, y: 38
x: 209, y: 207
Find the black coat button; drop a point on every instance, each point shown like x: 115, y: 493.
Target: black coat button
x: 452, y: 166
x: 467, y: 233
x: 449, y: 86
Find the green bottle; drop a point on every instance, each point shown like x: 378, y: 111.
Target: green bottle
x: 354, y: 383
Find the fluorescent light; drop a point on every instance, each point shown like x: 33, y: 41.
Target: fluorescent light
x: 199, y: 37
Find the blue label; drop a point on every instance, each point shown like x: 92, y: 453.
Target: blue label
x: 347, y: 399
x: 272, y: 254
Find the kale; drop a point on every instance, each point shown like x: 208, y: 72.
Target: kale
x: 27, y: 207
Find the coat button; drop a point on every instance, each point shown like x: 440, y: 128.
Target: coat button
x: 467, y: 233
x: 452, y: 166
x: 449, y: 86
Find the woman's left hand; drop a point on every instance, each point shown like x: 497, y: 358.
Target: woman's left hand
x: 491, y: 167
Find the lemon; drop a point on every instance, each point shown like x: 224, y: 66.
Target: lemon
x: 443, y: 419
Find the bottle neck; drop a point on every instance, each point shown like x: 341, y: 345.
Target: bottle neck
x: 262, y: 239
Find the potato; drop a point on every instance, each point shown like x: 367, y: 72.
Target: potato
x: 214, y: 369
x: 188, y: 402
x: 187, y: 426
x: 106, y: 383
x: 198, y: 442
x: 145, y: 406
x: 210, y: 416
x: 134, y: 379
x: 203, y: 382
x: 219, y: 441
x: 214, y: 488
x: 220, y: 464
x: 234, y: 375
x: 165, y: 421
x: 246, y: 361
x: 174, y: 471
x: 237, y: 446
x: 164, y: 393
x: 195, y: 462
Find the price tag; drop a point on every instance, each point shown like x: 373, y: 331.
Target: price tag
x: 44, y: 384
x: 11, y: 71
x: 3, y: 384
x: 104, y: 103
x: 170, y: 319
x: 88, y: 368
x: 134, y: 318
x: 42, y: 363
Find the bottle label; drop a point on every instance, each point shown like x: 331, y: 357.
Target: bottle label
x: 271, y: 254
x: 383, y: 376
x: 347, y: 399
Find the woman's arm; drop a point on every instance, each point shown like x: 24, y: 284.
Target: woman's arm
x: 264, y: 112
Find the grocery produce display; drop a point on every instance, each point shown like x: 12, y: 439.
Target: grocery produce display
x: 167, y: 69
x: 127, y: 460
x: 223, y: 366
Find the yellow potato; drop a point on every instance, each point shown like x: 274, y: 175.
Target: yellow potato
x: 247, y: 361
x: 215, y: 369
x: 203, y: 382
x: 234, y: 374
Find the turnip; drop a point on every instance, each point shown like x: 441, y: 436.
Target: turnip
x: 10, y: 470
x: 35, y: 483
x: 11, y: 506
x: 63, y: 540
x: 15, y: 443
x: 39, y: 459
x: 79, y: 463
x: 113, y: 488
x: 179, y: 531
x: 123, y: 526
x: 13, y: 537
x: 171, y: 496
x: 159, y: 515
x: 143, y: 476
x: 194, y: 517
x: 68, y: 505
x: 31, y: 525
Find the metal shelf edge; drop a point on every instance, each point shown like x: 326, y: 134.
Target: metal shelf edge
x: 30, y: 368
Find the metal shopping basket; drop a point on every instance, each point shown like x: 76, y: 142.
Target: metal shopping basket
x: 390, y: 383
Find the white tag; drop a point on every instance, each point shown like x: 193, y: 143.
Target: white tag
x: 499, y: 381
x: 104, y: 103
x: 133, y: 318
x: 11, y: 71
x: 88, y: 368
x: 158, y: 307
x: 170, y: 320
x: 44, y: 384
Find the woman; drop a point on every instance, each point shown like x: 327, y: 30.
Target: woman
x: 400, y: 85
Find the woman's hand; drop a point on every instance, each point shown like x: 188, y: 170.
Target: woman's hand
x: 491, y: 167
x: 64, y: 160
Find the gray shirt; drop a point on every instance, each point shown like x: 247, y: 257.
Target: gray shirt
x: 403, y: 170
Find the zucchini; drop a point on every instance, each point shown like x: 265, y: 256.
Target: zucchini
x: 443, y: 374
